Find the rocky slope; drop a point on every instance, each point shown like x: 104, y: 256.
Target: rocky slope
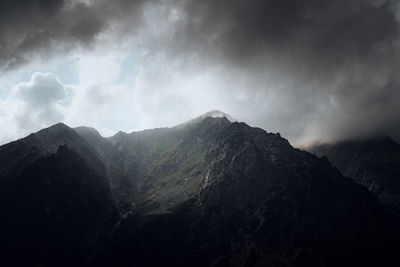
x: 211, y: 192
x: 374, y: 163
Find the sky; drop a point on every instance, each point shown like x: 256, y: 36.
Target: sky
x: 314, y: 71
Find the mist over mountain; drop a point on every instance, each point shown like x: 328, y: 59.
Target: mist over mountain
x: 209, y: 192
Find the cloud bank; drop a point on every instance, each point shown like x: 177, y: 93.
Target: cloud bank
x: 312, y: 70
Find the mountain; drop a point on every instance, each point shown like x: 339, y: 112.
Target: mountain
x: 209, y: 192
x: 374, y: 163
x: 55, y: 201
x: 210, y: 114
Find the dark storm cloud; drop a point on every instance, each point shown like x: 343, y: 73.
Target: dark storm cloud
x: 341, y: 58
x: 42, y: 27
x: 325, y: 69
x: 318, y: 32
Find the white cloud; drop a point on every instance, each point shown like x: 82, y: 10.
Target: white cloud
x: 101, y: 96
x: 42, y: 91
x: 32, y: 105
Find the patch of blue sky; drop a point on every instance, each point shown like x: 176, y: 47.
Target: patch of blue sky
x: 128, y: 68
x: 62, y: 67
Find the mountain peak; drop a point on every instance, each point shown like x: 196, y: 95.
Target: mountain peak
x: 87, y: 130
x: 56, y: 129
x: 210, y: 114
x: 216, y: 114
x: 59, y: 125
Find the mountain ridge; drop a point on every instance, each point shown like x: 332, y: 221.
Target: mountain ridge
x: 212, y: 192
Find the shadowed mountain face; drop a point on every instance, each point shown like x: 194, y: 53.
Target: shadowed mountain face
x: 374, y: 163
x: 206, y: 193
x: 56, y: 203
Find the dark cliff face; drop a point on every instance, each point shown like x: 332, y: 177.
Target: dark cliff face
x: 205, y: 193
x: 374, y: 163
x: 55, y: 203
